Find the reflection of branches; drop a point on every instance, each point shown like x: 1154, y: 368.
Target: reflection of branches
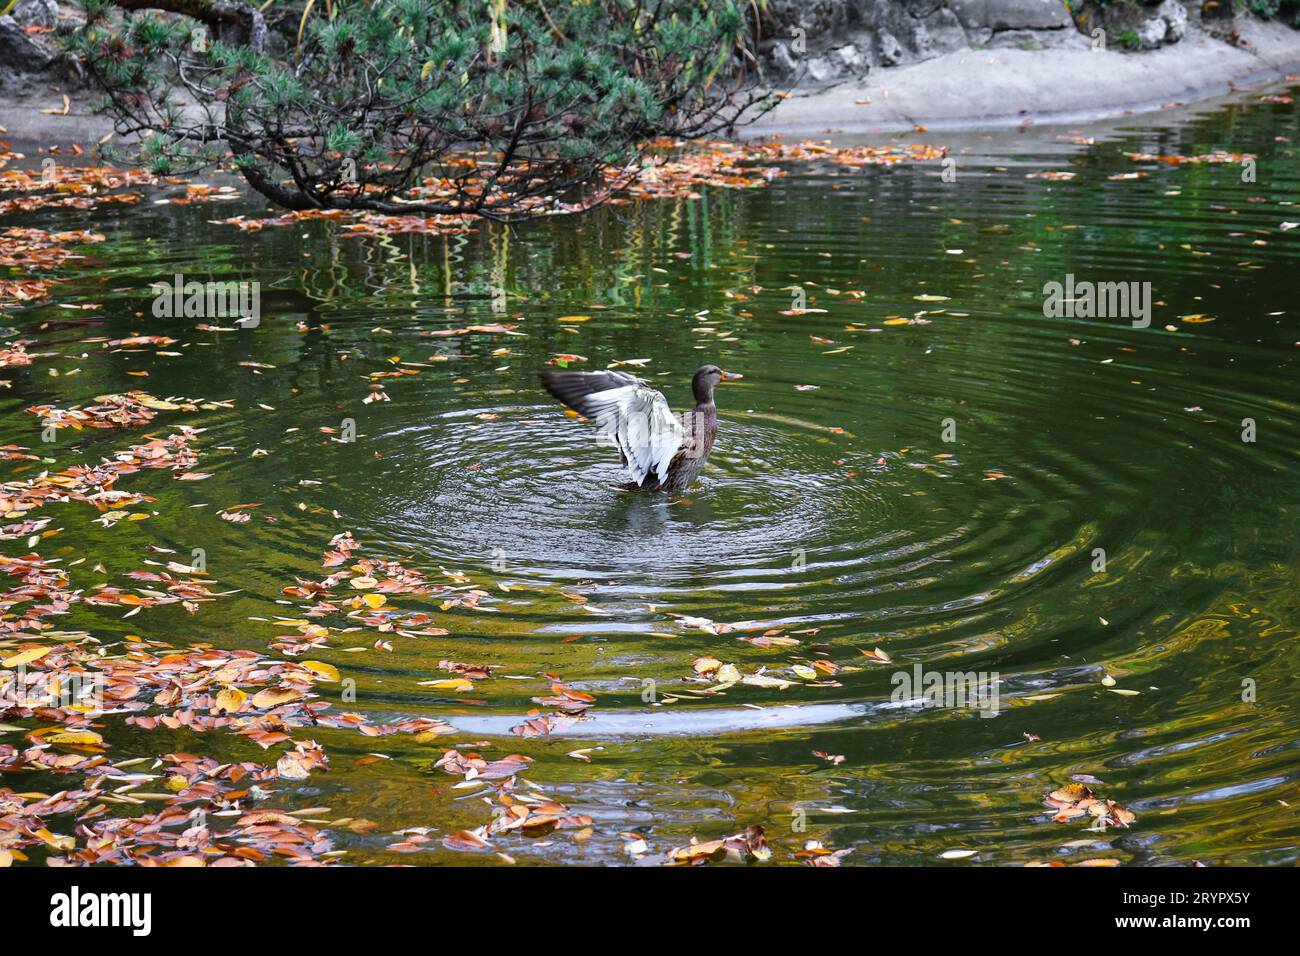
x: 403, y: 107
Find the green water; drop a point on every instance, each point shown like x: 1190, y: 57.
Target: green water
x: 824, y: 508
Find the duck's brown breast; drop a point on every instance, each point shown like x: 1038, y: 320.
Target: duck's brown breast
x: 699, y: 432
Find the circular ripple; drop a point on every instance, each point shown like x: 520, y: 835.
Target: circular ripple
x: 538, y: 492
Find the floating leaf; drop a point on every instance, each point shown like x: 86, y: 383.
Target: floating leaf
x: 275, y: 697
x: 322, y: 670
x: 26, y: 657
x: 230, y: 700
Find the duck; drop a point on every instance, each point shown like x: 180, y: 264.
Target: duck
x: 661, y: 451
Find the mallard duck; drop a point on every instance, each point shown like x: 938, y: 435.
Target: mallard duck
x: 662, y: 451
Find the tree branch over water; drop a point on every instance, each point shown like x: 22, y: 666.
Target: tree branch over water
x: 506, y: 109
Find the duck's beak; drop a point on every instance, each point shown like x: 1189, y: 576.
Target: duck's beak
x: 731, y: 376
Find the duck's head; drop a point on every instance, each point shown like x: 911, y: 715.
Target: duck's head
x: 707, y: 378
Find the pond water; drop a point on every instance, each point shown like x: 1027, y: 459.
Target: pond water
x: 946, y: 489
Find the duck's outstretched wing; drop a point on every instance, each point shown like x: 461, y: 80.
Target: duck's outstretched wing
x: 633, y: 415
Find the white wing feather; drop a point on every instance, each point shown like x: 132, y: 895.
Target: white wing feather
x: 637, y: 419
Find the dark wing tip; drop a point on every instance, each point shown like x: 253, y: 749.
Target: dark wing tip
x: 572, y: 388
x: 567, y: 388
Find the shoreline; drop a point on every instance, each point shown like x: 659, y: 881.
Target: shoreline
x: 983, y: 89
x: 960, y: 91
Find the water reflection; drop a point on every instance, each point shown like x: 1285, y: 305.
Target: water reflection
x: 834, y: 510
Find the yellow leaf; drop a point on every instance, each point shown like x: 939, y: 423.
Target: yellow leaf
x: 26, y: 657
x: 76, y: 737
x: 457, y: 684
x: 230, y: 700
x: 55, y: 840
x: 275, y: 696
x: 706, y: 665
x: 374, y: 601
x: 323, y: 670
